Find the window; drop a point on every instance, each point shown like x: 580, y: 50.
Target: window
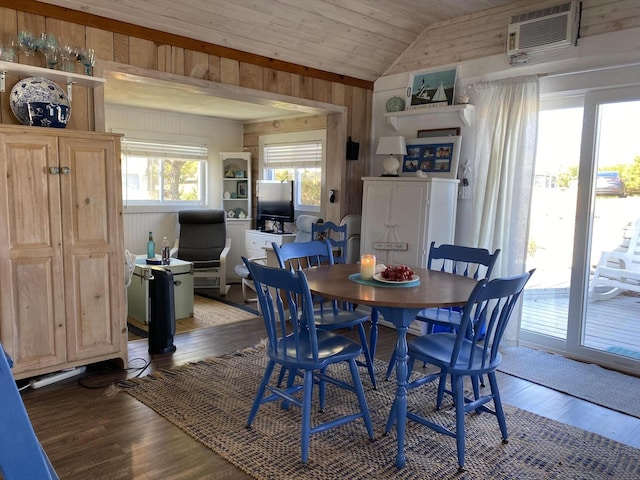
x: 157, y: 174
x: 300, y: 162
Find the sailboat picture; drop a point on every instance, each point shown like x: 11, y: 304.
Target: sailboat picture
x: 432, y: 89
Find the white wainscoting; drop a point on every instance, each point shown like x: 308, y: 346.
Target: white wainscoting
x: 138, y: 225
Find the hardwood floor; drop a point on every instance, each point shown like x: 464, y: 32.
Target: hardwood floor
x: 88, y: 434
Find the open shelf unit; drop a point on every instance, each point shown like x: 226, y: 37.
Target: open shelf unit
x: 235, y: 171
x: 236, y: 184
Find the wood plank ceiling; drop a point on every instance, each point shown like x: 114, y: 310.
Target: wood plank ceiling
x: 354, y: 38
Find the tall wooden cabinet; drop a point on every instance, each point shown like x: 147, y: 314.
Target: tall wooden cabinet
x: 62, y: 291
x: 401, y: 216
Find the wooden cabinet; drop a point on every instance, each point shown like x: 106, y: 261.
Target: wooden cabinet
x: 236, y: 201
x: 62, y: 286
x: 401, y: 216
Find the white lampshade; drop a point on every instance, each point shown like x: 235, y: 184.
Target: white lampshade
x: 391, y: 146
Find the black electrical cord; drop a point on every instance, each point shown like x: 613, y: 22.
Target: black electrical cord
x: 104, y: 371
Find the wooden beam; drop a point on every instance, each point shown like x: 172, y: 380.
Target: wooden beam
x: 90, y: 20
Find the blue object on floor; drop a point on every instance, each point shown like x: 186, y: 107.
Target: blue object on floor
x: 21, y: 455
x: 471, y: 262
x: 327, y: 314
x: 298, y: 347
x: 337, y: 236
x: 461, y: 355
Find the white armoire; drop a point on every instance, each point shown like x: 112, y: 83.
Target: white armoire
x: 401, y: 216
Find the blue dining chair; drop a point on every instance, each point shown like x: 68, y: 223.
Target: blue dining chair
x: 468, y: 353
x: 471, y: 262
x: 21, y: 455
x: 294, y: 343
x: 337, y: 236
x: 327, y: 314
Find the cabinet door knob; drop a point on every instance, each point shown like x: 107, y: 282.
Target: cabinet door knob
x: 54, y: 170
x: 65, y: 170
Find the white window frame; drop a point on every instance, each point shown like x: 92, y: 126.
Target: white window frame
x: 310, y: 136
x: 140, y: 148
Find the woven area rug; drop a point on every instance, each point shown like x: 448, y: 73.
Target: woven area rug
x: 207, y: 312
x: 210, y: 400
x: 574, y: 378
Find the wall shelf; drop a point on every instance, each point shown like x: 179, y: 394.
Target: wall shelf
x: 464, y: 111
x: 69, y: 78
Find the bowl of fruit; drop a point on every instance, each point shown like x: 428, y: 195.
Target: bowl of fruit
x: 396, y: 274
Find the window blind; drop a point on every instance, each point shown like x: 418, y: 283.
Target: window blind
x: 295, y: 155
x: 138, y: 148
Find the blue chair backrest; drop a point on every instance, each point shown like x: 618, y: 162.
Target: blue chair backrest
x: 283, y: 295
x: 486, y: 314
x: 21, y: 455
x: 299, y: 255
x: 337, y: 236
x: 472, y: 262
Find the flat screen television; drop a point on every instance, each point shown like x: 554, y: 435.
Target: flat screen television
x: 274, y: 205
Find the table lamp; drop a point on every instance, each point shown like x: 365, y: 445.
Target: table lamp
x: 391, y: 146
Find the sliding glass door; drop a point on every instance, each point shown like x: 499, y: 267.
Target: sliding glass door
x: 586, y: 300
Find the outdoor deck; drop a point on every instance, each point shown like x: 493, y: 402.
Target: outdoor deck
x: 612, y: 325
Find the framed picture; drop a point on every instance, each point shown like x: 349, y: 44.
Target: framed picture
x: 435, y: 156
x: 241, y: 189
x: 439, y: 132
x: 431, y: 89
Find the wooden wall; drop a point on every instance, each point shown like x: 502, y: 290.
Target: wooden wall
x: 484, y: 34
x: 154, y: 50
x: 469, y: 37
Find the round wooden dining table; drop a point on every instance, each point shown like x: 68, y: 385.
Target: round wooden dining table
x: 398, y: 304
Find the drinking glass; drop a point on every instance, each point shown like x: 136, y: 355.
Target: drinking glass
x: 86, y: 56
x: 27, y: 43
x: 67, y: 58
x: 51, y: 54
x: 7, y: 53
x: 48, y: 45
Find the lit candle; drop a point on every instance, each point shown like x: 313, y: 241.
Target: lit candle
x: 367, y: 266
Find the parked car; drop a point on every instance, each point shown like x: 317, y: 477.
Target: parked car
x: 610, y: 185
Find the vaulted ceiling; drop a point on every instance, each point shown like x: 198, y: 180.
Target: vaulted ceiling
x: 355, y: 38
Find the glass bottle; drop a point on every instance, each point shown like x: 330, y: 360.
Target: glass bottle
x: 151, y: 247
x: 166, y: 252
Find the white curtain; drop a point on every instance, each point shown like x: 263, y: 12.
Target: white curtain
x: 507, y: 121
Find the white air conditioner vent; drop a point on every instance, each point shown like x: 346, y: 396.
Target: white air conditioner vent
x: 543, y: 29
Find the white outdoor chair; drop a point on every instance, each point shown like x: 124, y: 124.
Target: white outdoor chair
x: 618, y: 271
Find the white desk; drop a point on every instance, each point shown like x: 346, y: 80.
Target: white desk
x: 259, y: 244
x: 138, y: 290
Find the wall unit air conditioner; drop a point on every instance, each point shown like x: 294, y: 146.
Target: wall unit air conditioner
x: 544, y: 29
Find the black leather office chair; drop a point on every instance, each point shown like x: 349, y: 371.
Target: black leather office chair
x: 203, y: 241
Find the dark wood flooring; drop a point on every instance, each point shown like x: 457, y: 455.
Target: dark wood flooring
x: 88, y: 434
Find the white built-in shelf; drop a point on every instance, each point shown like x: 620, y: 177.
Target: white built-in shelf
x: 464, y: 111
x: 69, y: 78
